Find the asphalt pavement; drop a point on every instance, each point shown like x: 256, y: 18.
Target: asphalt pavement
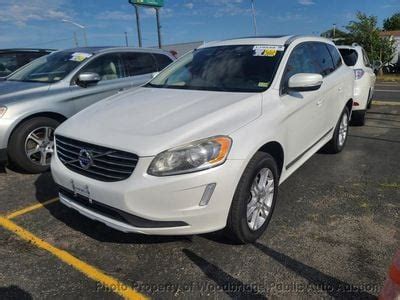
x: 387, y: 91
x: 333, y: 235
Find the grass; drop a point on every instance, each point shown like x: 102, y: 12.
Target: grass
x: 389, y: 77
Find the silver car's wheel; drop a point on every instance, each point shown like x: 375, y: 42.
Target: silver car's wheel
x: 31, y: 144
x: 262, y: 195
x: 343, y: 128
x: 39, y: 145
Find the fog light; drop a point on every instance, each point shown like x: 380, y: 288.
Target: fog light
x: 209, y: 190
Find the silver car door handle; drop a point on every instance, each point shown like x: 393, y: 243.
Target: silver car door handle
x: 340, y: 89
x: 319, y: 102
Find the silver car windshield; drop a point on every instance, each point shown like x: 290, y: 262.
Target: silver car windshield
x: 50, y: 68
x: 233, y: 68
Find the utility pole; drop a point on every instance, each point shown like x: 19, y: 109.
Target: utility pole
x: 254, y: 17
x: 139, y: 33
x: 158, y: 26
x: 79, y: 26
x: 334, y: 30
x: 75, y: 40
x: 126, y: 38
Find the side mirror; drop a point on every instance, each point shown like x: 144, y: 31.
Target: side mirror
x: 88, y: 78
x: 376, y: 65
x: 303, y: 82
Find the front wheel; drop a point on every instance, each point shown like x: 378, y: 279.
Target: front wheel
x: 254, y: 200
x: 339, y: 139
x: 31, y: 144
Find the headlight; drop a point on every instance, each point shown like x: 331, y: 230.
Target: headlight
x: 3, y: 110
x: 192, y: 157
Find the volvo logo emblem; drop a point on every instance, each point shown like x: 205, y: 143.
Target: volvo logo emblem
x: 85, y: 159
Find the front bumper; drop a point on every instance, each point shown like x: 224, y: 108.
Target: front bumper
x: 170, y: 203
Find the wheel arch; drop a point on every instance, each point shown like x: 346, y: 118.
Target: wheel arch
x: 275, y: 149
x: 53, y: 115
x: 349, y: 105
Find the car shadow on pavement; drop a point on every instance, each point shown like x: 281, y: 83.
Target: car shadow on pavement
x: 334, y: 287
x: 14, y: 292
x: 46, y: 189
x: 233, y: 287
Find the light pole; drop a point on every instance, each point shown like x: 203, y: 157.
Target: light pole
x: 81, y: 27
x: 253, y: 9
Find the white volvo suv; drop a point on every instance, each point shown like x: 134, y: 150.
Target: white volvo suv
x: 205, y: 144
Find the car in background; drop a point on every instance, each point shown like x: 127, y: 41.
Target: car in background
x: 35, y: 99
x: 356, y: 58
x: 205, y: 144
x: 13, y: 59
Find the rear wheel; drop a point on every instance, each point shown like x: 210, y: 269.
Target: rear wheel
x: 254, y: 200
x: 31, y: 144
x: 339, y: 139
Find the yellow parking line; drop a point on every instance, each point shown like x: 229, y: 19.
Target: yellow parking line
x: 30, y: 208
x: 378, y: 102
x: 111, y: 283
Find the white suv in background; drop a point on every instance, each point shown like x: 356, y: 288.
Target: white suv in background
x: 356, y: 58
x: 205, y: 144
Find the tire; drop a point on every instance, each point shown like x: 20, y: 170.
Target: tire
x: 27, y: 136
x: 336, y: 144
x: 238, y: 228
x: 358, y: 117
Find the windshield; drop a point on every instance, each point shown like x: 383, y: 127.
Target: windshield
x: 350, y: 56
x: 50, y: 68
x: 238, y: 68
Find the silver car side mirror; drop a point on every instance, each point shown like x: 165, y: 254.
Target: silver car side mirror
x: 88, y: 78
x: 303, y: 82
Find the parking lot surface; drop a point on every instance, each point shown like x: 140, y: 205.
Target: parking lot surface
x: 387, y: 91
x: 333, y: 234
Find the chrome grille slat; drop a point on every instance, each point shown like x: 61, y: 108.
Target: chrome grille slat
x: 111, y: 170
x: 108, y: 164
x: 114, y: 163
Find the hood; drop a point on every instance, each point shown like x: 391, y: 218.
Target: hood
x: 146, y: 121
x: 11, y: 91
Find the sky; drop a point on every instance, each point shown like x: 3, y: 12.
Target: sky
x: 38, y: 23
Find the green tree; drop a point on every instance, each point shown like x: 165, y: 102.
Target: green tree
x: 392, y: 23
x: 365, y: 32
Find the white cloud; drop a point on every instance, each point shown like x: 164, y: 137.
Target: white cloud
x: 306, y: 2
x: 115, y: 15
x: 21, y: 12
x: 189, y: 5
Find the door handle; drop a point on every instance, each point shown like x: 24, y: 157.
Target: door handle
x: 340, y: 89
x: 319, y: 102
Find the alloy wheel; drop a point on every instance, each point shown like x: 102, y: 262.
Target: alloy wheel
x: 261, y: 199
x: 39, y: 145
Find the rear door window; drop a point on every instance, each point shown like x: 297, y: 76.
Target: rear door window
x: 350, y: 56
x: 138, y: 63
x: 162, y: 60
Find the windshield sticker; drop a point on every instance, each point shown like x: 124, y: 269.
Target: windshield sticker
x: 263, y: 84
x: 80, y: 56
x: 269, y: 51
